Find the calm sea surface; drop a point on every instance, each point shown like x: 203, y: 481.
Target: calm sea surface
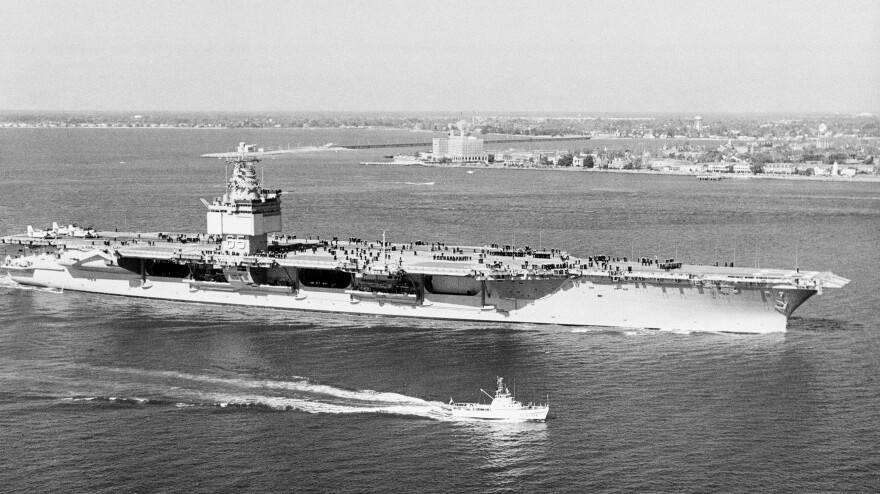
x: 107, y: 394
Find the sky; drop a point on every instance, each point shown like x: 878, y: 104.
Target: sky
x: 451, y: 55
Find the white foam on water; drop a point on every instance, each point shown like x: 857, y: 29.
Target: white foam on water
x: 7, y: 282
x: 299, y: 383
x: 10, y: 283
x: 681, y: 331
x: 312, y: 398
x: 429, y: 410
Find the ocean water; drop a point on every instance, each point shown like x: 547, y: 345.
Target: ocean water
x: 102, y: 394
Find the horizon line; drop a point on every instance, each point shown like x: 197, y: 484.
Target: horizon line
x: 462, y: 113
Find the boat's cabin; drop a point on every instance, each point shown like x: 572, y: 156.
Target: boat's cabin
x: 503, y: 398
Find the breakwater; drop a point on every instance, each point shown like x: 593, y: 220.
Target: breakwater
x: 487, y: 141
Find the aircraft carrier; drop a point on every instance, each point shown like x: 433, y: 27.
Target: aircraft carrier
x: 244, y: 259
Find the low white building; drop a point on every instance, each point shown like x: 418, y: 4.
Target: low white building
x: 718, y: 168
x: 618, y: 163
x: 779, y: 168
x: 679, y: 166
x: 742, y: 169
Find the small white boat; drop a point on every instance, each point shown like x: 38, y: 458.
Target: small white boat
x: 503, y: 407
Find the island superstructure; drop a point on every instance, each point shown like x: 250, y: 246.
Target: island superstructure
x: 244, y: 259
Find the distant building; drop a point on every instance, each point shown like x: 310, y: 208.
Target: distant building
x: 459, y: 148
x: 718, y: 168
x: 698, y: 123
x: 618, y: 163
x: 692, y: 168
x: 779, y: 168
x: 742, y: 169
x: 680, y: 166
x: 863, y: 168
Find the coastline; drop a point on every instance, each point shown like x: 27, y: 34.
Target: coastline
x: 492, y: 166
x: 476, y: 166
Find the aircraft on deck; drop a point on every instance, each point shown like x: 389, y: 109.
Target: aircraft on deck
x: 31, y: 232
x: 73, y: 231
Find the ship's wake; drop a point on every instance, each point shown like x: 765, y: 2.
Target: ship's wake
x: 9, y: 283
x: 183, y: 390
x: 414, y: 408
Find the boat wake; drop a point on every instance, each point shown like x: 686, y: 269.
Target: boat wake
x: 296, y: 394
x: 415, y: 408
x: 412, y: 183
x: 6, y: 282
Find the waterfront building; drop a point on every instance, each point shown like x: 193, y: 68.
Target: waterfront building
x: 718, y: 167
x: 779, y: 168
x: 742, y: 169
x: 459, y: 148
x: 618, y: 164
x: 679, y: 166
x: 865, y: 168
x: 692, y: 168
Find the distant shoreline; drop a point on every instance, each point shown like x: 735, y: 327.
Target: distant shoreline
x: 730, y: 176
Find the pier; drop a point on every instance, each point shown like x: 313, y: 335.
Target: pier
x: 487, y: 141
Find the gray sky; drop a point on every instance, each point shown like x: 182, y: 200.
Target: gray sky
x: 447, y: 55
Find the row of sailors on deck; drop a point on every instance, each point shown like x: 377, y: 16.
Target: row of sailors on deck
x: 455, y: 250
x: 444, y: 257
x: 183, y: 238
